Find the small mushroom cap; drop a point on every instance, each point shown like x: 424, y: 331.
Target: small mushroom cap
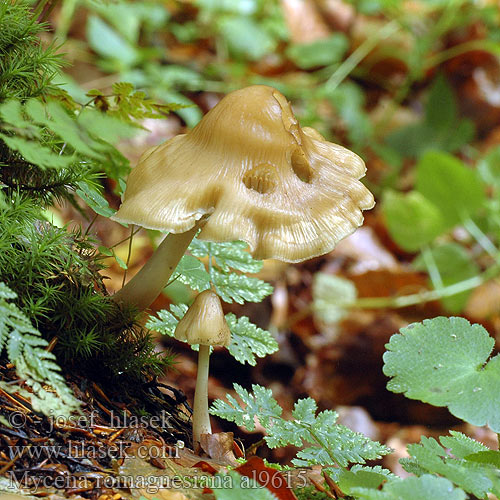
x: 261, y: 178
x: 204, y: 322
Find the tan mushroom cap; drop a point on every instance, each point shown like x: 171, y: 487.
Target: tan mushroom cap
x: 286, y: 191
x: 204, y: 322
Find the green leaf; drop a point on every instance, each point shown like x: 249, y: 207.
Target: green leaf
x: 451, y: 186
x: 454, y: 265
x: 36, y: 153
x: 192, y: 272
x: 246, y: 38
x: 349, y: 100
x: 55, y: 118
x: 230, y: 255
x: 413, y: 488
x: 233, y: 486
x: 104, y: 128
x: 248, y: 340
x: 240, y: 288
x: 360, y: 476
x: 331, y: 296
x: 412, y: 220
x: 318, y: 53
x: 440, y: 109
x: 444, y: 362
x: 105, y: 251
x: 333, y: 442
x: 490, y: 457
x: 440, y: 129
x: 260, y: 404
x: 11, y: 111
x: 27, y: 351
x: 462, y: 446
x: 94, y: 200
x: 108, y: 43
x: 121, y: 262
x: 431, y: 457
x: 166, y: 322
x: 489, y: 168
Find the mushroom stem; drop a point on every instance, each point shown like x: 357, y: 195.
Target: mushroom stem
x: 201, y: 419
x: 152, y: 278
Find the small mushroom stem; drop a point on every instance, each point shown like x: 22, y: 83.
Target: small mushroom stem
x: 152, y: 278
x: 201, y: 419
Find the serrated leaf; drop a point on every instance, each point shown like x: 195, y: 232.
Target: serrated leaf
x: 6, y: 292
x: 36, y: 153
x: 331, y: 297
x: 490, y: 457
x: 333, y: 442
x: 240, y: 288
x: 166, y: 321
x: 444, y: 362
x: 192, y: 272
x: 55, y: 118
x: 454, y: 265
x: 260, y: 405
x: 26, y: 350
x: 123, y: 88
x: 340, y: 443
x: 413, y: 488
x: 433, y: 458
x: 451, y: 186
x: 360, y: 476
x: 248, y: 340
x: 412, y: 220
x: 227, y: 255
x: 461, y: 445
x: 11, y: 112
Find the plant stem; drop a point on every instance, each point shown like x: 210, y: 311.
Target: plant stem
x: 128, y: 253
x: 481, y: 238
x: 407, y: 300
x: 427, y: 295
x: 432, y: 268
x: 201, y: 419
x: 359, y: 54
x: 148, y: 283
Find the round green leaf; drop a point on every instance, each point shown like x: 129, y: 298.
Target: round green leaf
x: 412, y: 220
x: 444, y: 362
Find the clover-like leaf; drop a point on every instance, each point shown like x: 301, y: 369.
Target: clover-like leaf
x: 444, y: 362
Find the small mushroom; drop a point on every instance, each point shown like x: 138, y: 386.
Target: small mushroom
x: 249, y: 172
x: 204, y: 324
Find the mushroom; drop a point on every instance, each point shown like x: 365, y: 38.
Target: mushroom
x: 204, y: 324
x: 249, y: 172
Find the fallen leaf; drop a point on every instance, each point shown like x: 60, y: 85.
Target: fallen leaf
x: 272, y: 479
x: 219, y: 447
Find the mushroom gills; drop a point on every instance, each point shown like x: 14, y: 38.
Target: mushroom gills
x: 262, y: 178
